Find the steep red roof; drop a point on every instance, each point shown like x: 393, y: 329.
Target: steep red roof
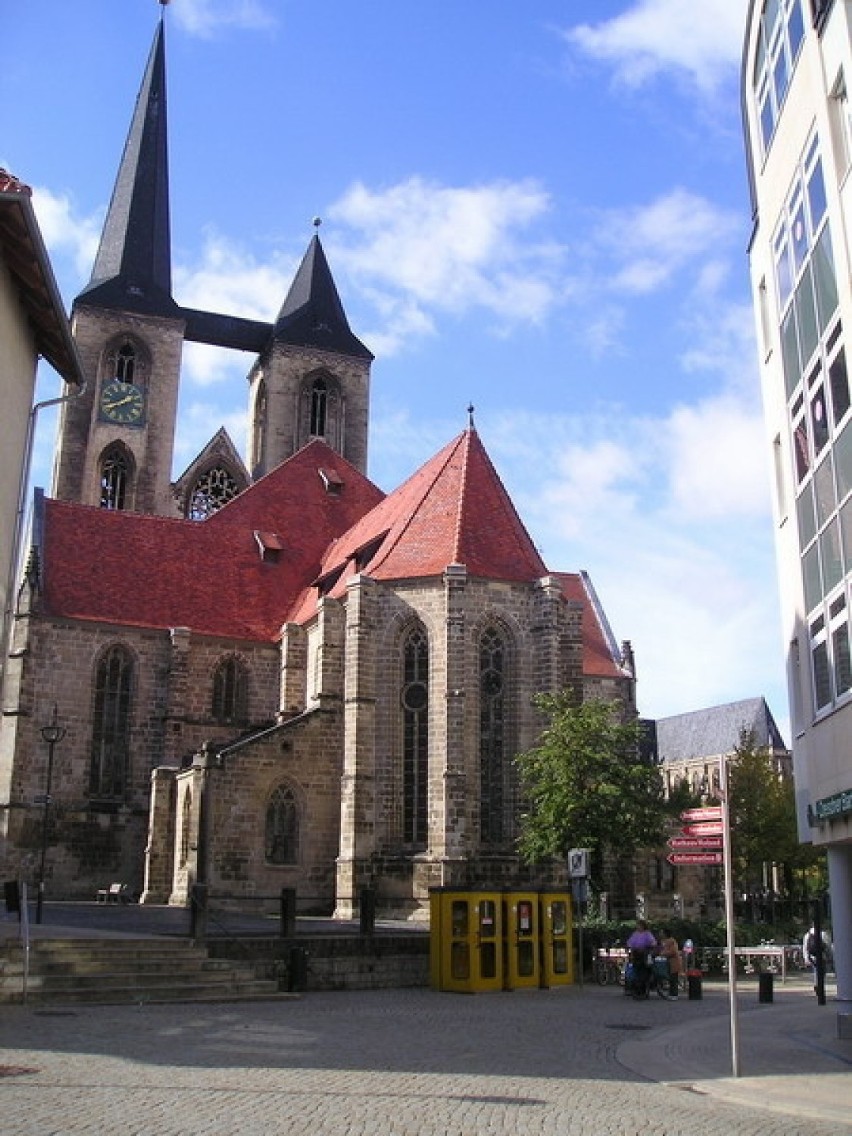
x: 453, y: 510
x: 212, y: 576
x: 601, y: 657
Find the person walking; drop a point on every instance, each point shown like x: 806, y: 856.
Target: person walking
x: 809, y: 952
x: 670, y: 951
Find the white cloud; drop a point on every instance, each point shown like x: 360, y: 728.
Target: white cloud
x: 650, y: 243
x: 230, y: 280
x: 450, y: 248
x: 205, y: 17
x: 702, y: 41
x: 67, y: 234
x: 198, y: 422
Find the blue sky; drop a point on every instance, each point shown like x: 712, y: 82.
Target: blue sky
x: 538, y: 208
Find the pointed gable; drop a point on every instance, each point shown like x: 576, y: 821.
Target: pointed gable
x: 453, y: 510
x: 210, y: 576
x: 312, y: 315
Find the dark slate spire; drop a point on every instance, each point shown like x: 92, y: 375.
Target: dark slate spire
x: 133, y: 266
x: 312, y: 315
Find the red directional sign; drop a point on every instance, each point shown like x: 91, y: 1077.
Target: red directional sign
x: 694, y: 857
x: 710, y: 812
x: 696, y: 842
x: 702, y: 829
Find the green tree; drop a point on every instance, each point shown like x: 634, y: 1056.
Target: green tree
x: 586, y: 783
x: 763, y: 819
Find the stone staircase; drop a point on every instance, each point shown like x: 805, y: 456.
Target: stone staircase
x: 127, y: 971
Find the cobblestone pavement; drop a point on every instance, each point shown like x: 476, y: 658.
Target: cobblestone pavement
x: 396, y: 1062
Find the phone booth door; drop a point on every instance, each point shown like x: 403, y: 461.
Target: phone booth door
x: 556, y: 940
x: 522, y: 941
x: 489, y: 944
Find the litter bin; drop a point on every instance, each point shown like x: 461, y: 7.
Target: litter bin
x: 764, y: 986
x: 693, y: 986
x: 297, y: 969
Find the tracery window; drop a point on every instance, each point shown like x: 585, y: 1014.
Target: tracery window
x: 230, y: 691
x: 125, y: 363
x: 211, y: 491
x: 185, y: 821
x: 415, y: 715
x: 111, y: 724
x: 259, y: 432
x: 115, y: 478
x: 319, y: 408
x: 282, y: 827
x: 492, y: 713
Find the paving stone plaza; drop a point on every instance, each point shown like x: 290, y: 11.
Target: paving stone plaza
x: 416, y: 1062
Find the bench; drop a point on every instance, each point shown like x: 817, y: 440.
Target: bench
x: 115, y: 893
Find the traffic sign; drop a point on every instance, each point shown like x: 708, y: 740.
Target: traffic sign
x: 709, y: 812
x: 702, y: 829
x: 694, y: 857
x: 699, y: 842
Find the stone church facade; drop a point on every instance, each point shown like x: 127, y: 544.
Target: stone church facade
x: 270, y: 673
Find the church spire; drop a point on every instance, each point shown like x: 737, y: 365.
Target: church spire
x: 312, y: 314
x: 132, y: 269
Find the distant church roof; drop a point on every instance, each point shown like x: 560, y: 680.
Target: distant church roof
x: 312, y: 314
x: 132, y: 269
x: 716, y: 730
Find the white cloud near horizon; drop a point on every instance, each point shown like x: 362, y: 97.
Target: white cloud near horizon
x: 702, y: 42
x: 205, y: 18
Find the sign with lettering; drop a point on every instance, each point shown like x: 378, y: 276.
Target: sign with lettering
x: 684, y: 842
x: 706, y: 858
x: 837, y: 806
x: 714, y: 829
x: 710, y: 812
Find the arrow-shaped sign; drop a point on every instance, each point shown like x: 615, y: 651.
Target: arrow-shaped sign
x: 702, y: 829
x: 710, y: 812
x: 694, y: 857
x: 699, y: 842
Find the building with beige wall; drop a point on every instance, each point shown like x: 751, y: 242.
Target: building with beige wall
x: 797, y: 71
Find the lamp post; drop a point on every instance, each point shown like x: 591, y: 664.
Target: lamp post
x: 52, y: 734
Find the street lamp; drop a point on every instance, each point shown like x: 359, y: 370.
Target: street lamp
x: 52, y: 734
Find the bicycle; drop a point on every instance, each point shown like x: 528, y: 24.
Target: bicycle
x: 607, y: 970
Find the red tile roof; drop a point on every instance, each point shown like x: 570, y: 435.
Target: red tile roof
x: 145, y: 571
x: 601, y: 657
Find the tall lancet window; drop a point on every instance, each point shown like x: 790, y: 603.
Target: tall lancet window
x: 281, y: 837
x: 492, y: 741
x: 319, y: 408
x: 125, y: 364
x: 258, y: 446
x: 115, y: 478
x: 415, y: 718
x: 111, y: 724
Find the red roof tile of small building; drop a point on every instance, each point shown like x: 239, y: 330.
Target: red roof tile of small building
x: 600, y: 656
x: 210, y: 576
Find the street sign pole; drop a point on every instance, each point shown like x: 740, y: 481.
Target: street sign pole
x: 729, y: 914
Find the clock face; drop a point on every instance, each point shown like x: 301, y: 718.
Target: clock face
x: 123, y: 402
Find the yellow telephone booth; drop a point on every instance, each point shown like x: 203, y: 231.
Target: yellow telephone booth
x: 521, y: 928
x: 557, y: 953
x: 466, y: 948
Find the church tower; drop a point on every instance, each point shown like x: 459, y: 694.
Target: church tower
x: 313, y: 379
x: 116, y: 441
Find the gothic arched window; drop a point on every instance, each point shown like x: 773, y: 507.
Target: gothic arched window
x: 281, y: 839
x: 415, y: 738
x: 230, y: 691
x: 185, y: 822
x: 319, y: 408
x: 111, y: 724
x: 211, y: 491
x: 115, y: 478
x: 258, y: 447
x: 125, y: 363
x: 492, y: 713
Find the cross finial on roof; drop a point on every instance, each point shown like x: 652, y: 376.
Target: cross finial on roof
x: 317, y: 221
x: 470, y: 409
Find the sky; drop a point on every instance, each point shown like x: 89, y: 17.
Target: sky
x: 539, y: 209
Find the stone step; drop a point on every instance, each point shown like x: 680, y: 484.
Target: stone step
x: 132, y: 970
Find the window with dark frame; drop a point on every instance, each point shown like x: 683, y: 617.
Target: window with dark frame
x: 281, y: 837
x: 230, y: 691
x: 111, y: 725
x: 415, y: 715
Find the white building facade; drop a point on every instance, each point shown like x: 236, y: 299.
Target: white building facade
x: 797, y: 66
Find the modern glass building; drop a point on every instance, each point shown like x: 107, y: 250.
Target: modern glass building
x: 797, y: 66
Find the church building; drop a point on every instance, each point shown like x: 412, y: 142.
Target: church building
x: 270, y: 673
